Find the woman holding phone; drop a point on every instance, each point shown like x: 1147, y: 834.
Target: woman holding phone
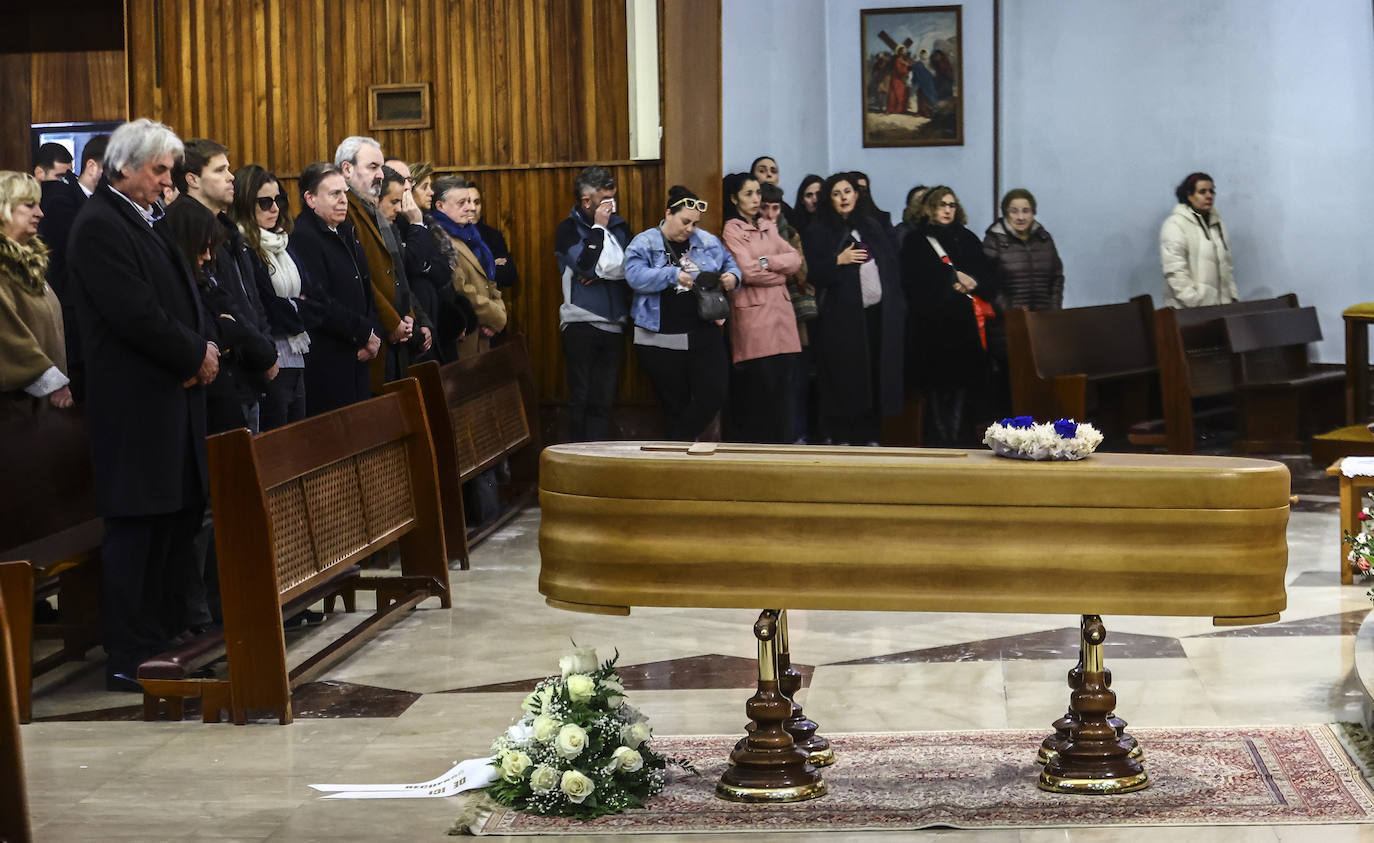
x: 859, y: 332
x: 683, y: 354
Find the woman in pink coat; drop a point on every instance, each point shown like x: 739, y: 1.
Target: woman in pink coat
x: 763, y: 327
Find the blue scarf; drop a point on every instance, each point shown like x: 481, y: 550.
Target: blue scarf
x: 472, y: 239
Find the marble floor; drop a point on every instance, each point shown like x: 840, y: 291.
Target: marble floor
x: 440, y: 684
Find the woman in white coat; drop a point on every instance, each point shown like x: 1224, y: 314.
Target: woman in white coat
x: 1194, y: 248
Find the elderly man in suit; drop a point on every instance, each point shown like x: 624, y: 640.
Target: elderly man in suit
x: 360, y: 160
x: 149, y: 355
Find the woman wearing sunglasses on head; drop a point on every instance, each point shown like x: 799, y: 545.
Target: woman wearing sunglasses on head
x: 683, y: 354
x: 950, y: 289
x: 260, y: 210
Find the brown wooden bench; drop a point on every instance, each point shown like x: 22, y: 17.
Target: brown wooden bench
x: 482, y: 410
x: 295, y: 509
x: 14, y: 809
x: 1283, y: 398
x: 49, y: 522
x: 1059, y: 358
x: 1197, y: 374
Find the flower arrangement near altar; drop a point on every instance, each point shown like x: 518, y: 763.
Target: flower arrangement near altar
x: 1021, y: 438
x: 580, y: 750
x: 1361, y: 555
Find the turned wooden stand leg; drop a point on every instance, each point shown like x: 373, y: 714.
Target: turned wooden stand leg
x: 1095, y: 758
x: 799, y: 726
x: 768, y: 766
x: 1051, y: 746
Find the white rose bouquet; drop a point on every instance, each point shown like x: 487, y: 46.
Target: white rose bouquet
x: 1021, y: 438
x: 1361, y: 541
x: 580, y: 750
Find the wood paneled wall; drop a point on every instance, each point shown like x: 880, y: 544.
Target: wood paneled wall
x: 524, y: 94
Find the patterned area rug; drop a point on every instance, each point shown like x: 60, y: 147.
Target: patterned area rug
x: 1262, y: 775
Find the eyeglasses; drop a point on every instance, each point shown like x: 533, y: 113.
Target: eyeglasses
x: 949, y: 204
x: 690, y: 204
x: 265, y: 203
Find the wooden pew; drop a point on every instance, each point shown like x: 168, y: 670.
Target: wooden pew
x: 1283, y: 399
x: 14, y: 810
x: 49, y: 522
x: 482, y: 410
x: 1057, y: 357
x: 1195, y: 364
x: 295, y: 509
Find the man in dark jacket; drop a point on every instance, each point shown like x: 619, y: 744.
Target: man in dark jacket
x: 62, y: 199
x: 204, y: 176
x: 590, y: 247
x: 360, y: 160
x: 148, y: 359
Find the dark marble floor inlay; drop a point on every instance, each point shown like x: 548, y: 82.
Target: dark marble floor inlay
x: 693, y: 673
x: 1050, y: 644
x: 315, y: 700
x: 1344, y: 623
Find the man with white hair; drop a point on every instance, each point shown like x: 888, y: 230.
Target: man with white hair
x: 360, y: 160
x: 149, y: 353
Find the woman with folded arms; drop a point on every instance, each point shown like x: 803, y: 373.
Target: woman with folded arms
x: 683, y: 354
x: 859, y: 333
x: 763, y: 327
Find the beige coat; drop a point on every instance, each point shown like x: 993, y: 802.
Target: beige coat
x: 31, y: 335
x: 1196, y: 261
x: 472, y: 283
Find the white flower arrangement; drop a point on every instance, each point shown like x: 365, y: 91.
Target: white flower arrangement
x: 1021, y: 438
x: 580, y: 750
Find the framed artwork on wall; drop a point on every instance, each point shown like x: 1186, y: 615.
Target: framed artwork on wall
x: 912, y: 76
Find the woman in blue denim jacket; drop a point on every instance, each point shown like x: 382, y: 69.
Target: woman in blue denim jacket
x: 683, y: 354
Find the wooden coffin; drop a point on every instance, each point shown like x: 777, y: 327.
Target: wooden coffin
x: 804, y: 527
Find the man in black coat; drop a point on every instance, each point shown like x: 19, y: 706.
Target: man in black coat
x: 148, y: 360
x: 204, y: 176
x: 345, y: 332
x: 62, y: 200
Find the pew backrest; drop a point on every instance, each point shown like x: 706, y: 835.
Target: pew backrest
x: 1054, y: 354
x: 297, y: 505
x: 481, y: 410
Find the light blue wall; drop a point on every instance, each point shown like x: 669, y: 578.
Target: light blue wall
x: 1105, y: 107
x: 773, y: 82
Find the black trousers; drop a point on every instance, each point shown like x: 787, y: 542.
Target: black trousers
x: 763, y: 399
x: 691, y: 385
x: 594, y: 357
x: 146, y: 562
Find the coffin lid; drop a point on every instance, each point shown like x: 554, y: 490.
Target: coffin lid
x: 821, y: 474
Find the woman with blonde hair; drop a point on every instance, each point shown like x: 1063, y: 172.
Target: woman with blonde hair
x: 33, y: 353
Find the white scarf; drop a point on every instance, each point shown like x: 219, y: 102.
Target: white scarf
x: 285, y: 277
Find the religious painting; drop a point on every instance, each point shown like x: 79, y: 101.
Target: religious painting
x: 913, y: 82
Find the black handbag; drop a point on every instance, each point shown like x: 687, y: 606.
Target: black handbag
x: 711, y: 302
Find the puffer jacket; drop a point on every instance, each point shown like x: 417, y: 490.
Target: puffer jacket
x: 1196, y: 258
x: 1029, y: 271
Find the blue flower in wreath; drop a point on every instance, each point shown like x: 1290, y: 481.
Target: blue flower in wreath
x: 1066, y: 428
x: 1021, y: 422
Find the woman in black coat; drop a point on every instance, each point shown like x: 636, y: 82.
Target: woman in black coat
x: 347, y: 334
x: 194, y: 233
x: 858, y: 335
x: 943, y: 268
